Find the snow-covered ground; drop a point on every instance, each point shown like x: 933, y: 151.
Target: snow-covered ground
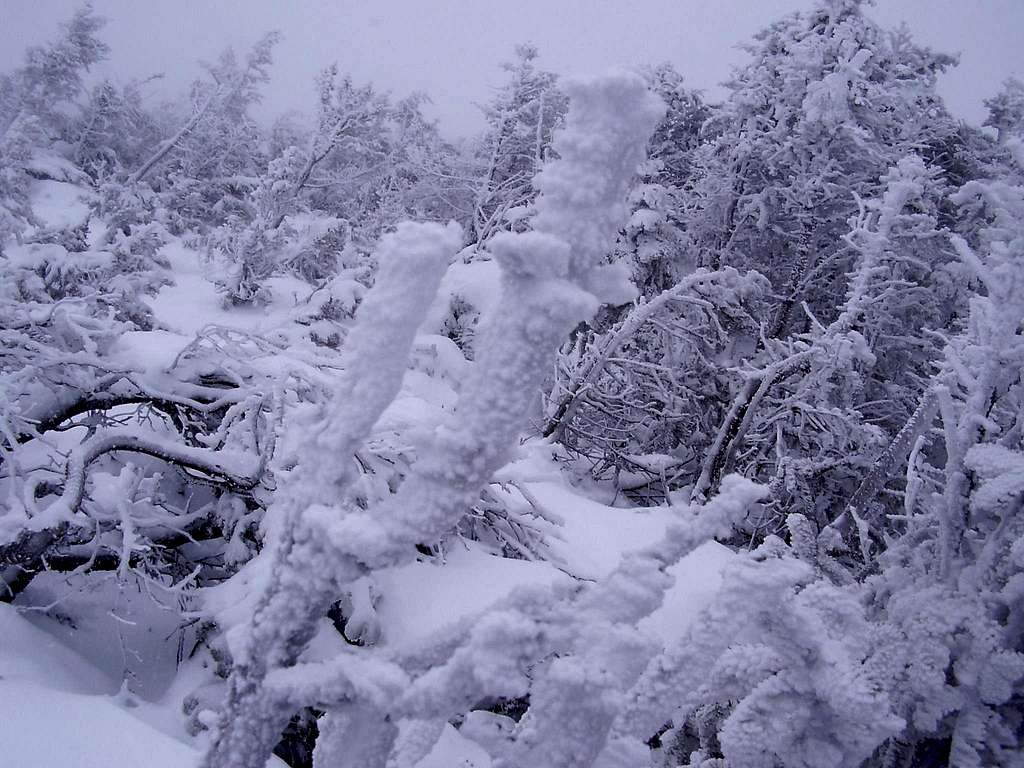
x: 58, y: 709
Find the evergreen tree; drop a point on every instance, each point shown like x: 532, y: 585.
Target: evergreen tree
x: 33, y: 103
x: 520, y: 122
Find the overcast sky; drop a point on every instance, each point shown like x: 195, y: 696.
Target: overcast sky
x: 452, y: 49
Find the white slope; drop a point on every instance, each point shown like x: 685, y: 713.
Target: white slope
x: 59, y: 204
x: 44, y: 728
x: 30, y: 656
x: 56, y: 709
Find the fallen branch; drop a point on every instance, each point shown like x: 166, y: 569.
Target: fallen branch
x: 224, y: 466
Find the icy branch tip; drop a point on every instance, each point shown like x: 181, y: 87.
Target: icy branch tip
x: 620, y: 96
x: 420, y: 242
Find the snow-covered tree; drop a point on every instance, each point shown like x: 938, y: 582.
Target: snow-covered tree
x: 772, y: 674
x: 203, y: 168
x: 1006, y: 111
x: 520, y: 122
x: 653, y: 239
x: 345, y: 143
x: 949, y: 587
x: 51, y: 76
x: 114, y: 130
x: 820, y: 406
x: 34, y: 109
x: 827, y: 103
x: 640, y: 399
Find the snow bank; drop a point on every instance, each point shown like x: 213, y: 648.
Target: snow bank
x: 58, y: 204
x: 594, y: 537
x: 43, y: 728
x: 422, y: 598
x: 57, y: 709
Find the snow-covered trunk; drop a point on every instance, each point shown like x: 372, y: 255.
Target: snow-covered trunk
x: 553, y: 278
x: 980, y: 366
x: 304, y: 580
x: 172, y: 142
x: 480, y: 219
x: 538, y: 143
x: 890, y: 459
x: 962, y: 431
x: 719, y: 459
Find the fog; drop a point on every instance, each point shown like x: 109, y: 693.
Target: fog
x: 453, y: 50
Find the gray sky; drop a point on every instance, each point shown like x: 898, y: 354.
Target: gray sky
x: 452, y: 50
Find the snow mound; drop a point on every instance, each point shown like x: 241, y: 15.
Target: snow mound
x: 478, y: 283
x: 44, y: 728
x: 423, y: 598
x: 593, y: 537
x: 58, y: 204
x: 56, y: 709
x: 193, y: 302
x: 30, y: 656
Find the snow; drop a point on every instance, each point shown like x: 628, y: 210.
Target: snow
x: 126, y: 637
x: 584, y: 538
x: 193, y: 302
x: 478, y: 283
x: 423, y: 598
x: 455, y: 751
x: 594, y: 537
x: 440, y: 356
x: 59, y: 204
x: 51, y: 166
x: 57, y: 709
x: 45, y: 728
x: 618, y: 618
x: 696, y: 580
x: 114, y: 626
x: 151, y: 351
x: 30, y: 656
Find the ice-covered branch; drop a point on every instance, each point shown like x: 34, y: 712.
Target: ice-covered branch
x: 236, y: 469
x: 552, y: 279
